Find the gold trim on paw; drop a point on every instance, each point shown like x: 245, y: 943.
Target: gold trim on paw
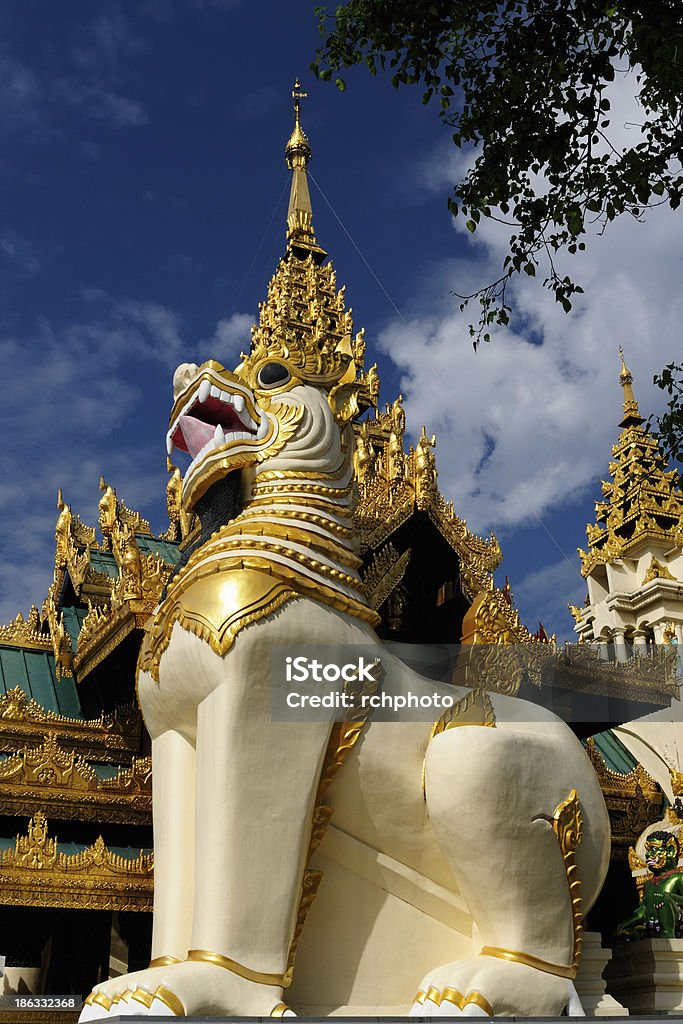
x: 559, y: 970
x: 451, y: 995
x: 433, y: 995
x: 164, y: 961
x: 100, y: 999
x: 143, y: 997
x: 218, y: 960
x: 170, y: 999
x: 122, y: 997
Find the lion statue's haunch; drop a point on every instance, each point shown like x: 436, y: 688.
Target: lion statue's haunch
x: 452, y: 862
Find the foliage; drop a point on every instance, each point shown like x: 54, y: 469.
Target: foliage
x: 670, y: 424
x: 525, y: 84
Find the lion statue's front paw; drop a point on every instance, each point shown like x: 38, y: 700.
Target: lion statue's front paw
x: 181, y: 990
x: 486, y: 987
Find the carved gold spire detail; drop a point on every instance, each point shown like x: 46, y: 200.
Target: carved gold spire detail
x: 641, y: 502
x: 304, y: 318
x: 631, y: 412
x: 300, y: 233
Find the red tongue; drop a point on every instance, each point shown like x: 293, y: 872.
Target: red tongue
x: 195, y: 434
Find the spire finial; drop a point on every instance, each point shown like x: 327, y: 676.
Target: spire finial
x: 632, y: 415
x: 300, y: 233
x: 297, y: 96
x: 298, y: 150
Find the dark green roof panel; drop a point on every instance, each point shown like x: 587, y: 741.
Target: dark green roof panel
x: 617, y: 757
x: 13, y: 668
x: 73, y: 620
x: 34, y: 672
x: 104, y: 561
x: 166, y: 550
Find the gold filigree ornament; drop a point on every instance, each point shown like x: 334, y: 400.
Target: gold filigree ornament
x: 37, y: 873
x: 657, y: 571
x: 384, y: 574
x: 639, y: 870
x: 112, y: 736
x: 21, y: 632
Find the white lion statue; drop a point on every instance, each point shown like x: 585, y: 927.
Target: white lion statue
x: 462, y: 836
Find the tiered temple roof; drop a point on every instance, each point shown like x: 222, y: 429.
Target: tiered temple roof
x: 642, y: 504
x: 75, y: 757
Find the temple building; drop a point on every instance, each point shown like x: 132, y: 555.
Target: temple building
x: 75, y: 774
x: 75, y: 771
x: 634, y: 561
x: 632, y: 621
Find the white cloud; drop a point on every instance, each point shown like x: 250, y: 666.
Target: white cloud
x: 36, y: 102
x: 526, y: 424
x: 18, y: 252
x: 97, y: 103
x: 107, y: 42
x: 88, y: 399
x: 231, y: 336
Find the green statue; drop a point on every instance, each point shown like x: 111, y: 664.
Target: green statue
x: 660, y: 912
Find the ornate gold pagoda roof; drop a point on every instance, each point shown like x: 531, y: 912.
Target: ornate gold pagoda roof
x: 27, y: 633
x: 306, y: 317
x: 54, y: 779
x: 120, y: 579
x: 641, y: 500
x: 394, y: 483
x: 634, y: 800
x: 110, y: 738
x: 37, y: 873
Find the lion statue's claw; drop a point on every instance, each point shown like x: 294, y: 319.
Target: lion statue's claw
x: 181, y: 990
x: 487, y: 987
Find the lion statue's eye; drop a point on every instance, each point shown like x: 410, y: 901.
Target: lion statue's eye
x: 273, y: 375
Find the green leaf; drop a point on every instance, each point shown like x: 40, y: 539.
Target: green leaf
x: 471, y: 225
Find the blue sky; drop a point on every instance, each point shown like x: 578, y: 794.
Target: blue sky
x: 144, y: 193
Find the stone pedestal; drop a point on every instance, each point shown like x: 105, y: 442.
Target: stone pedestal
x: 22, y: 981
x: 646, y: 976
x: 590, y: 984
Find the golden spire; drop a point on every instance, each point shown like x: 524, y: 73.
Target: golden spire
x: 641, y: 502
x: 632, y: 415
x: 300, y: 233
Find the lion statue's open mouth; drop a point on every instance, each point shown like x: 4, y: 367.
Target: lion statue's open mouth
x: 214, y: 417
x: 219, y: 422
